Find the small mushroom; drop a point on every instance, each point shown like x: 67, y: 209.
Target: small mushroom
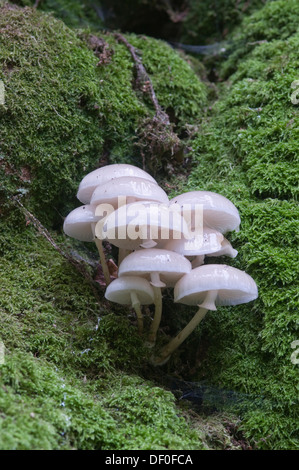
x: 226, y: 249
x: 129, y: 189
x: 107, y: 173
x: 80, y: 223
x: 163, y: 268
x: 208, y: 286
x: 219, y: 213
x: 195, y: 249
x: 143, y: 224
x: 202, y: 243
x: 134, y: 291
x: 122, y: 191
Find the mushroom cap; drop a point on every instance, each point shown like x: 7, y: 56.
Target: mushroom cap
x: 131, y: 188
x: 119, y: 290
x: 106, y: 173
x: 225, y: 250
x: 79, y: 223
x: 219, y: 213
x: 233, y: 286
x: 209, y: 242
x: 169, y: 265
x: 153, y: 221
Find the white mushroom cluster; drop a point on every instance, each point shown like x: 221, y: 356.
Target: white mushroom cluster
x: 162, y: 243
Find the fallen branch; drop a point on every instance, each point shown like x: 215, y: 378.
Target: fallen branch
x: 143, y: 81
x: 156, y: 139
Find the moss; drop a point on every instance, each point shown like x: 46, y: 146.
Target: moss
x: 64, y: 110
x: 74, y: 13
x: 50, y: 310
x: 262, y: 120
x: 48, y: 138
x: 69, y: 379
x: 73, y: 364
x: 44, y: 408
x: 247, y: 151
x: 214, y: 20
x: 73, y: 372
x: 172, y: 81
x: 277, y: 20
x: 41, y: 409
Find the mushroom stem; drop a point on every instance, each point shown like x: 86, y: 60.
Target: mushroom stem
x: 156, y: 281
x: 157, y: 317
x: 106, y: 273
x: 122, y: 253
x: 137, y: 308
x: 157, y: 284
x: 178, y: 340
x: 209, y: 301
x: 198, y: 261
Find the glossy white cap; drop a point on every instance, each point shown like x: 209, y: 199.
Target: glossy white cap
x: 106, y: 173
x: 120, y: 291
x: 207, y: 242
x: 143, y: 224
x: 225, y: 250
x: 163, y: 267
x: 228, y: 285
x: 219, y: 213
x: 80, y: 223
x: 129, y: 189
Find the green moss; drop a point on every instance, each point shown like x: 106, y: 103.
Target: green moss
x: 64, y: 110
x: 72, y: 362
x: 48, y: 138
x: 43, y: 408
x: 146, y: 407
x: 247, y: 151
x: 74, y: 13
x: 172, y: 81
x: 51, y: 311
x: 212, y: 21
x: 277, y: 20
x: 262, y: 121
x: 69, y: 375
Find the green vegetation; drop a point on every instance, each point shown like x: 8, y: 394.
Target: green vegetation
x: 69, y: 100
x: 214, y: 20
x: 72, y: 372
x: 70, y: 378
x: 74, y: 13
x: 248, y: 151
x: 76, y: 373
